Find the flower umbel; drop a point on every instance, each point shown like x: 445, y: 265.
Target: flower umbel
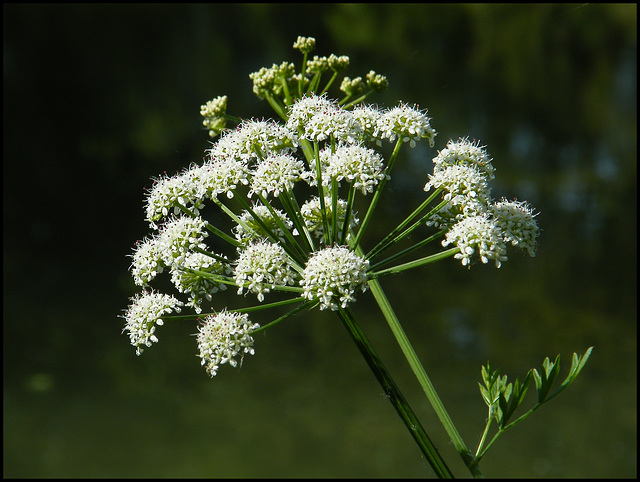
x: 222, y: 337
x: 144, y: 313
x: 333, y: 275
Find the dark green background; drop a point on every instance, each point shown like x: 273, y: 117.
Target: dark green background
x: 98, y: 99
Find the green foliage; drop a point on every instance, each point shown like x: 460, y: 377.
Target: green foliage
x: 503, y: 398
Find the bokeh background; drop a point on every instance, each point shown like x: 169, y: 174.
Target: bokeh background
x: 97, y: 99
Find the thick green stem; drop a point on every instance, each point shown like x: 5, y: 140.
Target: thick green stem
x: 396, y: 398
x: 422, y: 377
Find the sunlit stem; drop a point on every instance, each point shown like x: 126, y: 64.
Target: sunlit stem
x: 484, y: 434
x: 404, y: 252
x: 323, y: 208
x: 331, y: 80
x: 394, y: 395
x: 217, y: 257
x: 292, y: 208
x: 388, y: 239
x: 284, y: 229
x: 298, y: 309
x: 231, y: 282
x: 276, y: 106
x: 414, y: 264
x: 287, y: 95
x: 296, y: 258
x: 347, y: 214
x: 313, y: 85
x: 358, y: 100
x: 334, y: 210
x: 421, y: 374
x: 378, y: 192
x: 303, y: 71
x: 210, y: 227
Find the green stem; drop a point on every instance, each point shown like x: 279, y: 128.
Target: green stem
x: 408, y: 250
x: 389, y: 238
x: 421, y: 375
x: 414, y: 264
x: 376, y: 195
x: 396, y: 398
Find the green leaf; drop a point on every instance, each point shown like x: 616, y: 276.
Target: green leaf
x: 549, y: 374
x: 515, y: 400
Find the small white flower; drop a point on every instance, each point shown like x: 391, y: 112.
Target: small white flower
x: 223, y: 336
x: 144, y: 313
x: 256, y: 230
x: 263, y: 266
x: 464, y: 153
x: 477, y: 233
x: 407, y: 123
x: 275, y: 174
x: 332, y: 276
x: 516, y: 219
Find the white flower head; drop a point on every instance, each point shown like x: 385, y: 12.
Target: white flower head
x: 358, y: 165
x: 223, y: 336
x: 255, y: 230
x: 518, y: 224
x: 167, y: 193
x: 333, y: 275
x: 306, y: 107
x: 219, y: 175
x: 312, y: 214
x: 144, y: 313
x: 178, y: 237
x: 147, y: 261
x: 407, y: 123
x: 253, y: 140
x: 466, y: 153
x: 466, y: 188
x: 337, y: 123
x: 196, y: 285
x: 275, y: 174
x: 263, y: 266
x: 481, y: 234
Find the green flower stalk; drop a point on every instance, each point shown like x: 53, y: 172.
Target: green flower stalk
x: 289, y: 188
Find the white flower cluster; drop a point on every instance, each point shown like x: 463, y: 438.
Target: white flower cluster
x: 475, y: 222
x: 263, y: 266
x: 481, y: 233
x: 358, y: 165
x: 144, y: 313
x: 516, y: 219
x: 197, y: 285
x: 407, y: 123
x: 176, y: 239
x: 275, y: 174
x: 223, y: 336
x: 333, y: 275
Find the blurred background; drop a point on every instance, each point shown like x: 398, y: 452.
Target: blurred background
x: 98, y: 99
